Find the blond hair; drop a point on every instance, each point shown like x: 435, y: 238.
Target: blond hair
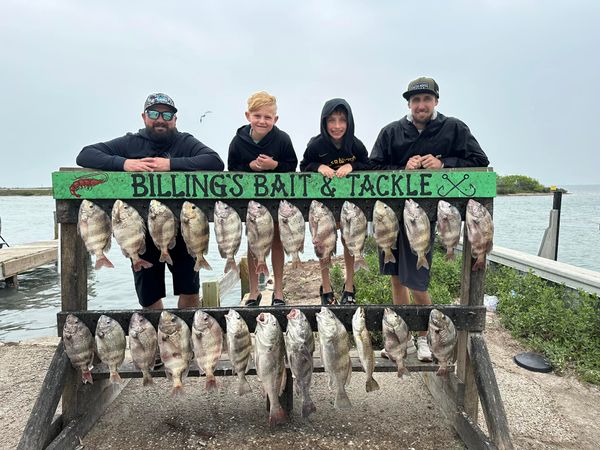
x: 260, y: 99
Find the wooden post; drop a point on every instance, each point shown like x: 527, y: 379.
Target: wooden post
x: 12, y: 282
x: 210, y: 294
x: 55, y: 226
x: 244, y: 282
x: 73, y: 269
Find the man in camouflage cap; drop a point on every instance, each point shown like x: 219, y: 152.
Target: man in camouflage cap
x: 423, y: 139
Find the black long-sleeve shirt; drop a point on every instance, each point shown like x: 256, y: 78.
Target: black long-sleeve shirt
x: 276, y: 144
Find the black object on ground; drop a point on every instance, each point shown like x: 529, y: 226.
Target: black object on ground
x: 533, y: 361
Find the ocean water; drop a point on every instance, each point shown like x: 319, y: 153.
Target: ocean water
x: 30, y: 311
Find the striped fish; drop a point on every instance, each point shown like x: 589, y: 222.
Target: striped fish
x: 79, y: 346
x: 291, y: 230
x: 195, y: 232
x: 395, y: 338
x: 239, y: 347
x: 94, y: 228
x: 207, y: 338
x: 228, y: 231
x: 418, y: 231
x: 385, y: 230
x: 129, y: 230
x: 143, y: 342
x: 480, y: 232
x: 260, y: 229
x: 174, y: 342
x: 448, y: 226
x: 110, y: 342
x: 323, y: 232
x: 162, y: 225
x: 362, y: 337
x: 353, y: 223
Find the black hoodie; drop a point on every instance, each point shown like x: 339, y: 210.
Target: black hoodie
x: 322, y: 150
x: 276, y: 144
x: 184, y: 150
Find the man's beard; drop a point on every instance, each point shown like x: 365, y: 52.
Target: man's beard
x: 162, y: 136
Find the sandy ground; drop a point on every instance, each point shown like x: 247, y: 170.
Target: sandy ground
x: 544, y: 411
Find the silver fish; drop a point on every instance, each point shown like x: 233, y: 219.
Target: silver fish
x: 143, y: 342
x: 385, y: 230
x: 480, y: 232
x: 395, y: 337
x: 207, y: 337
x: 323, y: 232
x: 300, y: 345
x: 239, y: 347
x: 79, y: 346
x: 291, y: 230
x: 362, y: 337
x: 270, y: 363
x: 174, y: 342
x: 448, y: 226
x: 129, y: 230
x: 110, y: 342
x: 335, y: 355
x: 162, y: 225
x: 94, y: 228
x: 441, y: 337
x: 196, y: 234
x: 260, y: 229
x: 228, y: 231
x: 418, y: 231
x: 353, y: 223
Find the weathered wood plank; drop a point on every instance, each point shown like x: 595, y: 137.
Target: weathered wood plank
x: 471, y: 318
x: 210, y: 294
x: 491, y: 401
x: 21, y: 258
x: 38, y: 426
x: 73, y: 269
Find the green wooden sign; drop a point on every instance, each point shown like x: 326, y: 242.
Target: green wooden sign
x: 293, y: 185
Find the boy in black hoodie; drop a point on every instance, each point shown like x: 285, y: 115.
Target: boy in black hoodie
x: 262, y: 147
x: 336, y: 152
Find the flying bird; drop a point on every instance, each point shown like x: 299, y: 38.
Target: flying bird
x: 204, y: 115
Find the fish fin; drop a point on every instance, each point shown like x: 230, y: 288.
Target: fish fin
x: 201, y: 263
x: 372, y: 385
x: 147, y: 379
x: 450, y: 256
x: 261, y: 267
x: 442, y: 372
x: 86, y: 376
x: 341, y: 400
x: 165, y: 257
x: 115, y: 378
x: 422, y: 262
x: 277, y: 417
x: 295, y: 260
x: 244, y: 386
x: 172, y: 244
x: 308, y: 407
x: 283, y: 381
x: 141, y: 264
x: 103, y: 261
x: 349, y: 374
x: 360, y: 263
x: 211, y: 383
x: 388, y: 256
x: 230, y: 265
x: 177, y: 389
x: 403, y: 372
x: 479, y: 264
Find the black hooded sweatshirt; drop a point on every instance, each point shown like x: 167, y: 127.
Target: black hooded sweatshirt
x: 184, y: 150
x: 446, y: 137
x: 322, y: 150
x: 276, y: 144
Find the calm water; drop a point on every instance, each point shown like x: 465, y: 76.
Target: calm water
x: 31, y: 310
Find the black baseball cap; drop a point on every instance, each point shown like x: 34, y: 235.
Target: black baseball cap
x: 422, y: 85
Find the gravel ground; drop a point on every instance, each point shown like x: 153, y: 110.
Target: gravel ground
x: 544, y: 411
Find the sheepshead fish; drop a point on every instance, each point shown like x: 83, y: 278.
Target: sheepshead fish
x: 448, y: 226
x: 269, y: 356
x: 79, y: 346
x: 228, y: 231
x: 260, y: 229
x: 480, y: 229
x: 395, y: 337
x: 418, y: 231
x: 196, y: 234
x: 207, y: 337
x: 162, y: 225
x: 129, y: 230
x: 353, y: 223
x: 174, y: 342
x: 441, y: 337
x: 385, y: 230
x: 239, y: 347
x: 110, y: 342
x: 335, y: 355
x: 300, y: 345
x: 143, y: 343
x: 323, y: 232
x: 362, y: 337
x: 291, y: 230
x: 95, y: 230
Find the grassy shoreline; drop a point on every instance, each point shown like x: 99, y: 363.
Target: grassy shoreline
x: 26, y: 192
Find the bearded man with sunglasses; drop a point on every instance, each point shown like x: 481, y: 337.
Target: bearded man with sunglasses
x: 159, y: 147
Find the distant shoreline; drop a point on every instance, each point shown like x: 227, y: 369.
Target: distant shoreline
x: 25, y: 192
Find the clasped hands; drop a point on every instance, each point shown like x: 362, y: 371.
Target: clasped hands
x: 424, y: 162
x: 262, y: 163
x: 147, y: 165
x: 341, y: 171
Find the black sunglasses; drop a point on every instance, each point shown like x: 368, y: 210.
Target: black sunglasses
x: 166, y: 115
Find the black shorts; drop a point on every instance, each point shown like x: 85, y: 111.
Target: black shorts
x: 150, y: 283
x: 405, y: 267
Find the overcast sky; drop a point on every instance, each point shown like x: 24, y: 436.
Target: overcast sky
x: 523, y: 74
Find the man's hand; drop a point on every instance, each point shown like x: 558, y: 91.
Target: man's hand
x: 431, y: 162
x: 414, y: 163
x: 344, y: 170
x: 326, y: 171
x: 147, y: 165
x: 265, y: 162
x: 161, y: 164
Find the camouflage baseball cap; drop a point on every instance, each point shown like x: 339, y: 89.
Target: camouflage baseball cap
x: 422, y: 85
x: 159, y: 99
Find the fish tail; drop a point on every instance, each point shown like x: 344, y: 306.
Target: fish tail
x: 360, y: 263
x: 295, y: 260
x: 86, y: 376
x: 230, y: 265
x: 141, y: 264
x: 341, y: 400
x: 201, y: 263
x: 261, y: 267
x: 177, y: 386
x: 372, y: 385
x: 442, y: 372
x: 479, y: 264
x: 103, y: 261
x: 402, y: 372
x: 277, y: 416
x: 115, y: 377
x: 165, y: 257
x: 422, y: 262
x: 211, y: 383
x: 450, y: 256
x: 244, y: 386
x: 147, y: 379
x: 308, y: 407
x: 388, y: 256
